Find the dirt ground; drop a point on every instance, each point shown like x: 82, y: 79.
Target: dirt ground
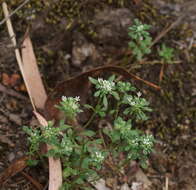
x: 72, y: 37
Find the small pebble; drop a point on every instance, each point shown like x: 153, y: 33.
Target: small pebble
x: 11, y: 157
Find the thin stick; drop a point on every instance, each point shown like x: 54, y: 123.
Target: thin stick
x: 166, y: 183
x: 18, y: 8
x: 12, y: 93
x: 165, y: 31
x: 17, y: 52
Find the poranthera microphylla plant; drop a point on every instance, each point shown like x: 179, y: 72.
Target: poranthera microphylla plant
x: 141, y: 43
x: 140, y: 39
x: 166, y: 54
x: 83, y: 154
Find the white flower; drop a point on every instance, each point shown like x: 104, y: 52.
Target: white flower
x: 139, y: 94
x: 67, y: 145
x: 77, y: 98
x: 106, y: 85
x: 147, y: 141
x: 129, y: 99
x: 98, y: 156
x: 64, y: 98
x: 71, y: 102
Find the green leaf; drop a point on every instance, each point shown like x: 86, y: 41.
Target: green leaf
x: 112, y: 78
x: 79, y: 180
x: 101, y: 114
x: 69, y: 172
x: 97, y: 93
x: 92, y: 80
x: 88, y: 133
x: 143, y: 164
x: 111, y: 112
x: 85, y: 163
x: 88, y: 106
x: 126, y: 111
x: 116, y: 95
x: 32, y: 162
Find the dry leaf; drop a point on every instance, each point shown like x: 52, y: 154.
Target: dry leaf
x: 13, y: 169
x: 141, y: 177
x: 5, y: 79
x: 31, y: 74
x: 124, y: 187
x: 100, y: 185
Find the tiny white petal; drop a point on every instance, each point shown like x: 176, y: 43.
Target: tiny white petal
x: 139, y: 94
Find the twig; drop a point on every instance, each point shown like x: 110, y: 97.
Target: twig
x: 166, y: 183
x: 17, y: 52
x: 38, y: 185
x: 165, y: 31
x: 18, y: 8
x: 12, y: 93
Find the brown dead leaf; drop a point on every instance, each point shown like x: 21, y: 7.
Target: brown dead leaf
x: 31, y: 74
x: 14, y: 79
x: 13, y: 169
x: 5, y: 79
x: 10, y: 80
x: 22, y: 88
x: 141, y: 177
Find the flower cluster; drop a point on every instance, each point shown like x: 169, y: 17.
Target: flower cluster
x: 49, y: 131
x: 70, y: 106
x: 97, y: 156
x: 66, y: 145
x: 147, y: 143
x: 104, y: 88
x: 105, y: 85
x: 34, y: 139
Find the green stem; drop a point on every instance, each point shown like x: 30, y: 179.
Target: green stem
x: 90, y: 120
x: 92, y: 116
x: 117, y: 110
